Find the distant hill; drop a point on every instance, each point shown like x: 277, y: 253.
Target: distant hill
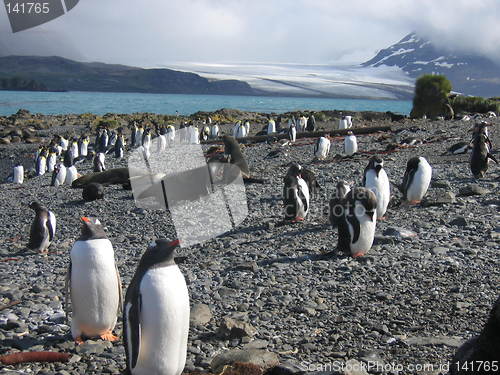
x: 59, y: 74
x: 469, y: 74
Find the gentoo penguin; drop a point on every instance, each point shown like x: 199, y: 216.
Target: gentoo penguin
x: 310, y: 178
x: 357, y: 224
x: 92, y: 192
x: 350, y: 144
x: 74, y: 149
x: 43, y: 228
x: 71, y: 172
x: 482, y: 350
x: 311, y: 123
x: 93, y: 284
x: 271, y: 126
x: 120, y: 146
x: 83, y: 144
x: 214, y: 131
x: 375, y: 179
x: 156, y: 314
x: 416, y: 179
x: 58, y: 175
x: 336, y: 204
x: 51, y: 159
x: 480, y: 156
x: 98, y: 162
x: 41, y: 163
x: 322, y: 148
x: 295, y: 195
x: 18, y: 174
x: 292, y: 132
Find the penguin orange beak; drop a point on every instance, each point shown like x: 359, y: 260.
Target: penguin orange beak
x: 85, y: 219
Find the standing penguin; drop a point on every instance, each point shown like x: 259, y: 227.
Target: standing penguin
x: 357, y: 223
x: 343, y: 123
x: 58, y: 175
x: 18, y: 174
x: 375, y: 179
x: 170, y: 133
x: 41, y: 163
x: 292, y: 132
x: 98, y: 162
x: 71, y: 172
x: 311, y: 123
x: 336, y: 204
x: 120, y: 146
x: 271, y: 126
x: 146, y: 139
x: 43, y: 228
x: 481, y: 155
x: 156, y: 314
x: 63, y: 142
x: 295, y: 195
x: 350, y: 144
x: 74, y: 148
x: 214, y: 131
x: 51, y: 159
x: 93, y: 284
x: 416, y: 179
x: 483, y: 349
x: 322, y: 148
x: 83, y: 145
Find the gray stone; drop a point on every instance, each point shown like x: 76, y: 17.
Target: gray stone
x: 438, y: 250
x: 262, y: 358
x: 232, y: 328
x: 439, y: 199
x: 200, y: 315
x: 451, y: 341
x: 401, y: 233
x: 473, y: 189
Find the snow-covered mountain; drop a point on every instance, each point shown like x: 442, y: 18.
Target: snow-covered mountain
x: 469, y: 74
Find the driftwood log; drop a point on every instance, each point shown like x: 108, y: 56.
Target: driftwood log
x: 322, y: 133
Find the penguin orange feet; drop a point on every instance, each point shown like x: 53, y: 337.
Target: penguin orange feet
x: 297, y: 219
x: 79, y: 340
x: 358, y: 254
x: 382, y: 218
x: 413, y: 203
x: 108, y: 336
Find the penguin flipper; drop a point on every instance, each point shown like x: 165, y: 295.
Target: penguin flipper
x: 133, y: 331
x: 51, y: 226
x: 67, y: 292
x: 120, y: 291
x: 492, y: 157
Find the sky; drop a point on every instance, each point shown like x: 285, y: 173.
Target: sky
x: 153, y: 33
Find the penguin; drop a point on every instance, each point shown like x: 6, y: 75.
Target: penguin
x: 170, y: 133
x: 343, y: 123
x: 292, y: 132
x: 63, y: 142
x: 375, y: 178
x: 480, y: 155
x: 119, y: 146
x: 133, y: 130
x: 111, y: 141
x: 41, y: 163
x: 356, y: 226
x: 247, y: 127
x: 51, y: 160
x: 98, y: 162
x: 311, y: 123
x: 205, y: 132
x: 483, y: 349
x: 350, y: 144
x: 92, y: 192
x: 349, y: 121
x: 322, y: 148
x: 161, y: 143
x: 18, y: 174
x: 271, y: 126
x: 43, y: 228
x: 214, y: 131
x: 301, y: 126
x: 336, y: 205
x: 156, y: 314
x: 58, y: 175
x: 71, y: 172
x: 310, y: 178
x: 74, y: 149
x: 146, y: 139
x: 459, y: 148
x: 295, y: 195
x: 240, y: 130
x: 102, y: 141
x: 93, y: 284
x: 139, y: 132
x: 83, y: 145
x: 416, y: 179
x: 194, y: 135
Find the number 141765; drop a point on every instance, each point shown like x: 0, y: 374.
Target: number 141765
x: 27, y: 8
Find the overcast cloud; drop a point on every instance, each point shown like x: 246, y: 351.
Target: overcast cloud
x: 157, y: 32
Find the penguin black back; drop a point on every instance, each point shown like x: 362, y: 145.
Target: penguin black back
x: 411, y: 169
x: 483, y: 348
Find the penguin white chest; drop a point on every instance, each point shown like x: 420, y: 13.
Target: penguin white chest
x: 420, y: 183
x: 381, y: 187
x: 71, y: 175
x: 302, y: 198
x: 94, y: 287
x: 323, y: 148
x: 18, y: 177
x: 61, y: 176
x: 271, y: 128
x: 362, y: 241
x: 164, y: 321
x: 350, y: 145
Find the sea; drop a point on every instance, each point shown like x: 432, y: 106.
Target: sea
x: 100, y: 103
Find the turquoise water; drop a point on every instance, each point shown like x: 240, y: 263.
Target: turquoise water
x: 101, y: 103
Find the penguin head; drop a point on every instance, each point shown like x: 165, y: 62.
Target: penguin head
x: 163, y: 250
x: 294, y: 170
x: 92, y: 228
x: 342, y: 189
x: 367, y: 199
x: 376, y: 163
x: 36, y: 206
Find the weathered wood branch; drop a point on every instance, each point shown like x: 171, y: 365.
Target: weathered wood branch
x: 322, y: 133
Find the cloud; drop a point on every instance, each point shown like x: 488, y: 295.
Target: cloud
x: 155, y: 32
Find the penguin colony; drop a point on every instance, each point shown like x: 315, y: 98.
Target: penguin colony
x: 156, y: 306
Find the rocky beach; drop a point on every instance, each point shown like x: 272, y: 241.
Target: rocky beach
x: 263, y: 292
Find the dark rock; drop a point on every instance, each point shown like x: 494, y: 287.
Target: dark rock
x: 473, y: 189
